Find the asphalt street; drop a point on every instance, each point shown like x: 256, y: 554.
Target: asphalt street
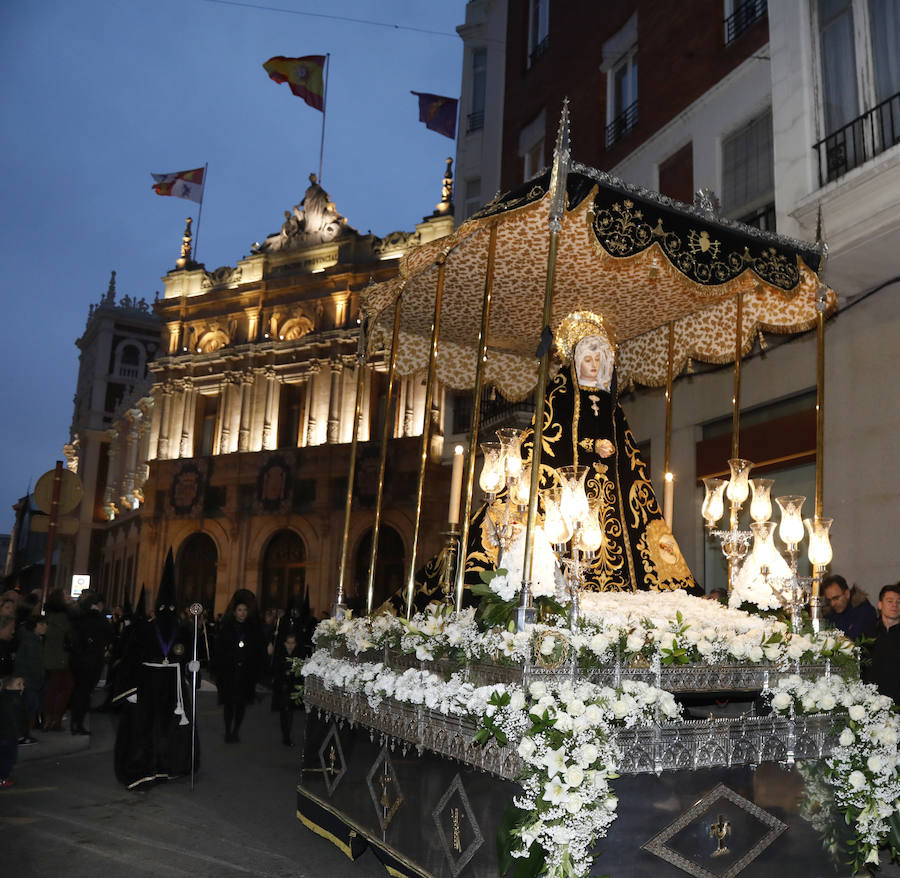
x: 67, y: 815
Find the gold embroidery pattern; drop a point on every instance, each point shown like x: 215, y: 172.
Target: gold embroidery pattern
x: 623, y: 231
x: 607, y: 568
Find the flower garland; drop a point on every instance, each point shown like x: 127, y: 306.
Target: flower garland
x: 564, y: 734
x: 672, y: 627
x: 864, y: 769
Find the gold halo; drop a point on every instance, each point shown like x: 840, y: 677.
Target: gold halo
x: 579, y: 325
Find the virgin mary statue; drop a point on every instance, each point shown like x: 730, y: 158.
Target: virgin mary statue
x: 584, y: 425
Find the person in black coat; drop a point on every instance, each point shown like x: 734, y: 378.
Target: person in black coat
x: 284, y: 682
x: 91, y: 635
x: 238, y: 659
x: 883, y: 668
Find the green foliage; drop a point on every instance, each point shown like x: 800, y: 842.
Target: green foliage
x: 508, y: 832
x: 489, y: 729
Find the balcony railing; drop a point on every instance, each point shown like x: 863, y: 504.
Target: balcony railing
x: 621, y: 125
x: 859, y: 141
x: 475, y: 122
x: 763, y: 219
x: 744, y: 15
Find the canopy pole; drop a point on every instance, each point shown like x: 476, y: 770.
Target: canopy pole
x: 351, y: 474
x: 819, y: 570
x: 426, y: 428
x: 382, y: 463
x: 525, y: 613
x: 468, y: 485
x: 668, y: 476
x: 736, y: 399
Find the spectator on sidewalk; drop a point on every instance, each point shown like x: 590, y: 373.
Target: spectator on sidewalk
x: 847, y: 608
x: 29, y: 665
x: 10, y: 706
x: 91, y: 636
x: 883, y: 668
x: 283, y: 684
x: 56, y: 661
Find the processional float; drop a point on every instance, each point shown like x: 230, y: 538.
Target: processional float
x: 671, y: 285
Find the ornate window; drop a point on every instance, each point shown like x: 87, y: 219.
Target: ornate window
x: 197, y: 560
x: 283, y: 571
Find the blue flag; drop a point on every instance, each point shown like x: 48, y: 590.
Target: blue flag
x: 438, y: 113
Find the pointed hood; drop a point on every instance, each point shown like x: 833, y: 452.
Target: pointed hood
x: 165, y: 595
x: 140, y: 608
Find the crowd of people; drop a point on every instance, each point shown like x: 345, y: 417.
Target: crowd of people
x: 53, y: 658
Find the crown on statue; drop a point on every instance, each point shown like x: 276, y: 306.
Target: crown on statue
x: 579, y: 325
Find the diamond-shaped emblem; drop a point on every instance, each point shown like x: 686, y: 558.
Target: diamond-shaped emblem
x: 460, y: 835
x: 384, y: 788
x: 718, y: 837
x: 331, y: 758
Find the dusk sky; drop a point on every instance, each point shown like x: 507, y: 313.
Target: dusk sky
x: 97, y: 94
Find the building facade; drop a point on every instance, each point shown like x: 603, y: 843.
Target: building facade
x: 235, y: 450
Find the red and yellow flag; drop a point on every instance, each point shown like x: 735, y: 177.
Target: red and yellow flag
x: 304, y: 76
x: 181, y: 184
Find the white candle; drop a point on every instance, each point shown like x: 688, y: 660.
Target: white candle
x: 668, y: 498
x: 455, y: 485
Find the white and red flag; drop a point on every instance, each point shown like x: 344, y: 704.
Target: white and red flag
x: 183, y: 184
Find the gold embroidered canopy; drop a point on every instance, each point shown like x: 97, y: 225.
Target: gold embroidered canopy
x: 638, y: 259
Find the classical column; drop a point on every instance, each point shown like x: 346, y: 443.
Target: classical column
x: 268, y: 437
x: 311, y: 404
x: 112, y: 475
x: 143, y: 472
x: 230, y: 380
x: 166, y: 391
x: 131, y: 457
x: 246, y: 391
x: 186, y: 448
x: 334, y: 403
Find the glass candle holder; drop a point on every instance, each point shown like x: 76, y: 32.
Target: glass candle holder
x: 820, y: 552
x: 791, y: 527
x: 713, y: 505
x: 590, y: 534
x: 556, y: 527
x: 511, y: 443
x: 521, y: 488
x: 492, y: 472
x: 761, y: 504
x: 573, y: 499
x: 738, y: 487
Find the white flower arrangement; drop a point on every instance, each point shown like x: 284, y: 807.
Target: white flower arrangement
x: 564, y: 735
x: 547, y: 579
x: 864, y: 769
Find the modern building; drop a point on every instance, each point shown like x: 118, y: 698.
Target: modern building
x: 232, y: 443
x: 783, y: 113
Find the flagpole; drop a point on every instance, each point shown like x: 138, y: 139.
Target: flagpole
x: 324, y: 106
x: 200, y: 213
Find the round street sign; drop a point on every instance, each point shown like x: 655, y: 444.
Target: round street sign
x: 70, y: 491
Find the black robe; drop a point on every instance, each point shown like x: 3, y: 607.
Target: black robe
x: 153, y: 742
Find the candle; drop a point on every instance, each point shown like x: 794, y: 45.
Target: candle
x: 668, y: 498
x: 455, y: 485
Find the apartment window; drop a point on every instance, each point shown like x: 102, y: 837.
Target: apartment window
x: 531, y: 145
x: 622, y: 98
x: 740, y: 14
x: 748, y: 179
x: 859, y: 60
x: 538, y: 29
x: 479, y: 84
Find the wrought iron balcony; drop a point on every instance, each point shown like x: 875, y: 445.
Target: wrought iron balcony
x: 744, y: 15
x: 764, y: 218
x: 859, y: 141
x: 621, y: 125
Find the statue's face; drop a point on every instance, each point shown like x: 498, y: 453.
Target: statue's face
x: 593, y: 362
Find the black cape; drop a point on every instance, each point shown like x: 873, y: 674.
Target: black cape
x: 153, y: 742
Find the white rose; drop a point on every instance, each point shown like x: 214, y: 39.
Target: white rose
x: 781, y: 701
x: 537, y: 690
x: 593, y: 715
x: 575, y: 707
x: 517, y: 700
x: 574, y: 775
x: 580, y: 724
x: 587, y: 755
x: 563, y: 722
x: 857, y: 712
x: 599, y: 643
x: 620, y: 708
x: 772, y: 652
x: 875, y: 763
x: 857, y: 780
x: 526, y: 748
x: 548, y: 644
x: 635, y: 642
x: 847, y: 738
x: 573, y: 803
x: 755, y: 653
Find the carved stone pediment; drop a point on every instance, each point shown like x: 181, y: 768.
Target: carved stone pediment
x: 396, y: 242
x: 225, y: 274
x: 315, y: 220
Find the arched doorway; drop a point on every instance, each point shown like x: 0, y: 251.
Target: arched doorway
x: 283, y: 571
x: 196, y: 571
x: 390, y: 568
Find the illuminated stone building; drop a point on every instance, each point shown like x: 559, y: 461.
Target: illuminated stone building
x: 235, y: 451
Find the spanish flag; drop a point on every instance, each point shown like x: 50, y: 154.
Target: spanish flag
x: 181, y: 184
x: 304, y: 77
